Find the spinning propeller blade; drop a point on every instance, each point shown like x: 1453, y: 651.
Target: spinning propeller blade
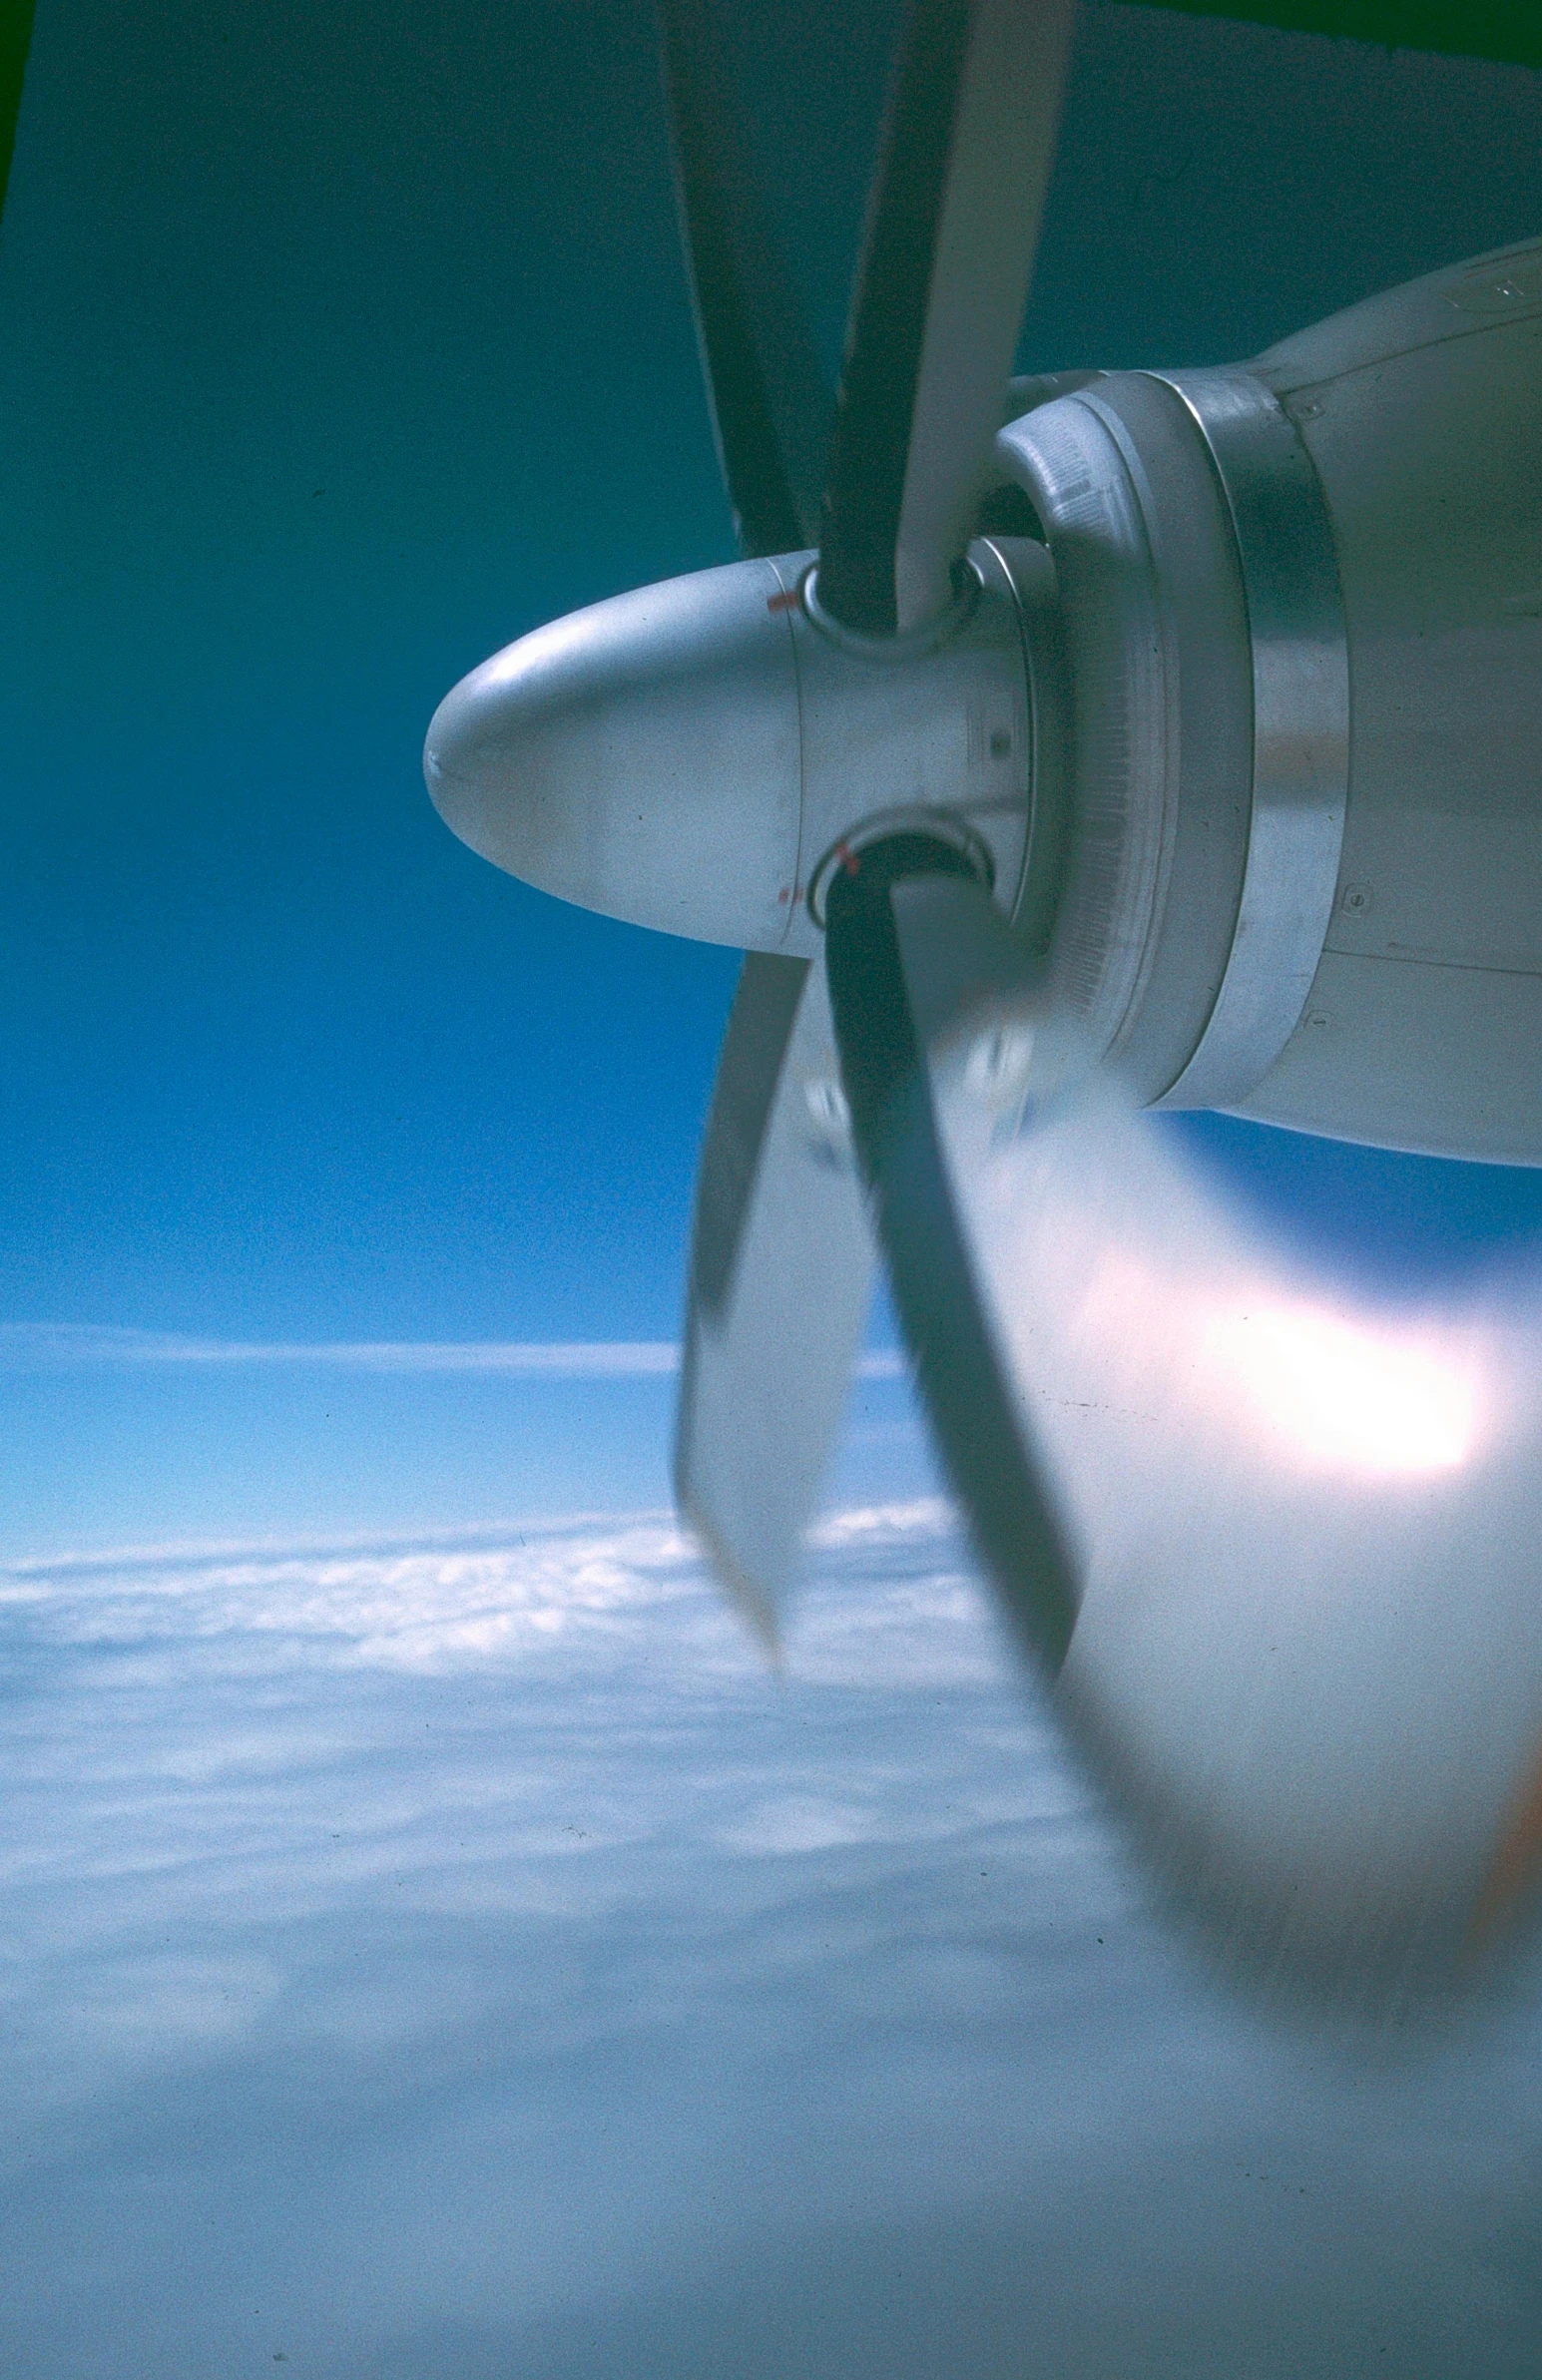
x: 770, y: 407
x: 781, y: 1271
x: 917, y: 950
x: 1275, y: 1547
x: 952, y: 226
x: 782, y: 1257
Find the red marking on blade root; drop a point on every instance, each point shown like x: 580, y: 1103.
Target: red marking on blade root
x: 785, y: 601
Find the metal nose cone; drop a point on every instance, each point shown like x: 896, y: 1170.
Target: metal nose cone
x: 639, y: 757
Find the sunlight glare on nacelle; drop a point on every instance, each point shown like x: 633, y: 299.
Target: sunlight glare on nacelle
x: 1344, y: 1395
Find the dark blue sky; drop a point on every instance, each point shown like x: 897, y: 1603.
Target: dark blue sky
x: 345, y: 343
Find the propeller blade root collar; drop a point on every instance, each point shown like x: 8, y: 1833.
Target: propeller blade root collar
x: 967, y: 587
x: 932, y: 832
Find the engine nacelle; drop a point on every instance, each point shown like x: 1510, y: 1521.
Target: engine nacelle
x: 1302, y: 612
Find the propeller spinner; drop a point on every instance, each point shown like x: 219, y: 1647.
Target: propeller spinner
x: 1016, y: 754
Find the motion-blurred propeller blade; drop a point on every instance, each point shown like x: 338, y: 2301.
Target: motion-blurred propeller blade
x: 771, y: 409
x: 919, y: 953
x: 780, y: 1272
x: 1295, y: 1536
x: 952, y: 226
x: 1307, y: 1656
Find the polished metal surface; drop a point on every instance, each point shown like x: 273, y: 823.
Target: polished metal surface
x: 1419, y: 411
x: 683, y: 756
x: 639, y: 757
x: 1072, y: 461
x: 1301, y: 733
x: 923, y: 729
x: 1183, y: 771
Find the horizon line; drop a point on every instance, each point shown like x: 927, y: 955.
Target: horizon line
x: 19, y: 1570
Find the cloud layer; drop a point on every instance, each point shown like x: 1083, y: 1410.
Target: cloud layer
x: 460, y: 1954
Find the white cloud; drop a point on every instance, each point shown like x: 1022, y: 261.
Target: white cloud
x: 795, y: 1822
x: 600, y: 1590
x: 50, y: 1344
x: 881, y: 1524
x: 53, y: 1345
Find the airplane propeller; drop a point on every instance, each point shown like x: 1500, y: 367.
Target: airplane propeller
x: 1016, y: 755
x: 780, y: 1263
x: 952, y: 228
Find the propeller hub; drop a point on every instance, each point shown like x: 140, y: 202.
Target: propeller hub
x: 690, y: 757
x: 639, y: 757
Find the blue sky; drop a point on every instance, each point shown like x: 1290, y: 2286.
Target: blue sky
x: 343, y: 347
x: 343, y: 343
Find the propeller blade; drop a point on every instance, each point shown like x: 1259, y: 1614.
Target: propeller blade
x: 952, y: 226
x: 771, y: 405
x: 915, y: 947
x: 1296, y: 1533
x: 780, y: 1273
x: 1307, y: 1656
